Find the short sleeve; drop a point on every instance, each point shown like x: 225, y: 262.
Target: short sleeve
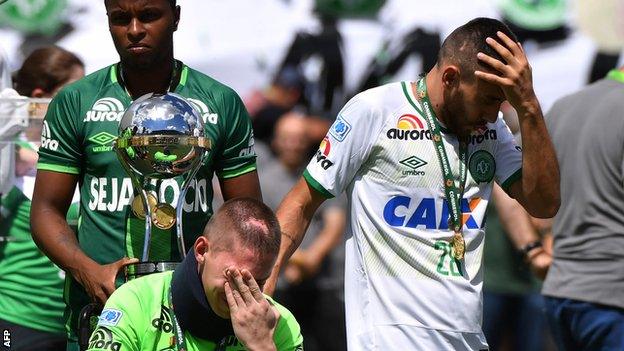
x: 118, y: 323
x: 60, y: 149
x: 345, y: 148
x: 238, y: 156
x: 287, y: 336
x: 508, y: 157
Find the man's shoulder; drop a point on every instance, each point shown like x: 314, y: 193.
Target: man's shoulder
x: 285, y: 314
x: 381, y: 94
x: 91, y: 82
x: 201, y: 82
x: 145, y: 287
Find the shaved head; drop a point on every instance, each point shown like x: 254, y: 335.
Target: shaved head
x: 246, y: 222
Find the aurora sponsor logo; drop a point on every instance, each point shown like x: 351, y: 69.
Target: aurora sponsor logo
x: 104, y: 141
x: 322, y: 153
x: 102, y: 339
x: 480, y: 135
x: 105, y: 109
x: 164, y: 321
x: 409, y: 127
x: 47, y: 142
x: 114, y: 194
x: 204, y: 112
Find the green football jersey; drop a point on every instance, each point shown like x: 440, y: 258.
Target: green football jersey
x: 138, y: 316
x: 31, y: 286
x: 78, y: 131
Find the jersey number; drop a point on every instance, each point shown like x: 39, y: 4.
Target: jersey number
x: 450, y: 267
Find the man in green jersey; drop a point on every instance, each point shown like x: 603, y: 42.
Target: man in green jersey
x: 79, y: 129
x: 213, y: 299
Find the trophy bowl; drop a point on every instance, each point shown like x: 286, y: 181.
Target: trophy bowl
x: 161, y: 136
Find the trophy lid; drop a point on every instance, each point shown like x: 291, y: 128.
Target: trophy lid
x: 161, y: 136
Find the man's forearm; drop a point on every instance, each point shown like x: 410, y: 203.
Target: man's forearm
x: 55, y: 238
x: 514, y: 218
x: 540, y: 170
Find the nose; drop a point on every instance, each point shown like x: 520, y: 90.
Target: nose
x: 136, y: 30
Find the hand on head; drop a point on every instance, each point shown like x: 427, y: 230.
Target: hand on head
x: 514, y: 75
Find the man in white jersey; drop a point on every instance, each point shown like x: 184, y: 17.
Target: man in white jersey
x: 418, y: 160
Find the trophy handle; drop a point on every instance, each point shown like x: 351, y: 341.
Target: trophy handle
x: 180, y: 206
x: 136, y: 183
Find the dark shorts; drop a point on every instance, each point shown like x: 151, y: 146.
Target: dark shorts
x: 21, y: 338
x: 584, y: 326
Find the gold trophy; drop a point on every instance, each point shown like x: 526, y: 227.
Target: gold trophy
x: 161, y: 136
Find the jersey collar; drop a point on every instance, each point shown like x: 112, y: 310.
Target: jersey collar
x: 191, y: 307
x: 114, y: 76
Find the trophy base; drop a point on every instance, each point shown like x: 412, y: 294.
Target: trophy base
x: 139, y: 269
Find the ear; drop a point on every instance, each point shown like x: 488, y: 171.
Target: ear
x: 176, y: 15
x: 201, y: 247
x: 450, y: 76
x: 38, y: 93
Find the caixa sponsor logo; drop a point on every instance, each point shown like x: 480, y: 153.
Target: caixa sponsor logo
x: 102, y: 339
x: 46, y: 138
x: 105, y: 109
x: 400, y: 212
x: 322, y: 153
x: 409, y: 127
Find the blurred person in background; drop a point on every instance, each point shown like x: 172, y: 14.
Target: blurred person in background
x: 583, y: 289
x: 312, y: 282
x: 31, y: 286
x: 83, y: 120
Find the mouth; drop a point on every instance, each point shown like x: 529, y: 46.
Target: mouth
x: 138, y: 48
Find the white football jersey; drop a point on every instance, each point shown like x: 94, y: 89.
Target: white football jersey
x: 403, y: 287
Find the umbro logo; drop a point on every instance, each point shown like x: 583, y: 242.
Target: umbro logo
x: 413, y: 163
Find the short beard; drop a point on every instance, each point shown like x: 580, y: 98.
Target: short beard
x: 453, y: 112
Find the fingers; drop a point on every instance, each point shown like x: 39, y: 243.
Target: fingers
x: 239, y: 286
x: 229, y: 296
x: 253, y: 285
x: 511, y: 45
x: 491, y: 78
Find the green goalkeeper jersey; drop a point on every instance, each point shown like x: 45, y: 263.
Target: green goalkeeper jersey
x: 139, y: 316
x: 78, y: 131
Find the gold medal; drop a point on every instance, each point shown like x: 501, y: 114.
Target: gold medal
x: 459, y: 245
x: 164, y: 216
x: 137, y: 205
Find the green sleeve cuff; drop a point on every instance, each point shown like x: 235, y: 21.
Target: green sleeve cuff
x: 511, y: 179
x: 316, y: 185
x: 57, y: 168
x: 233, y: 173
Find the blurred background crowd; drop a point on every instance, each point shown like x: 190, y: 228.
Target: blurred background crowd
x: 296, y: 62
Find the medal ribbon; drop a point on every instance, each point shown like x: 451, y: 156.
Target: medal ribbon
x: 454, y: 193
x: 179, y: 342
